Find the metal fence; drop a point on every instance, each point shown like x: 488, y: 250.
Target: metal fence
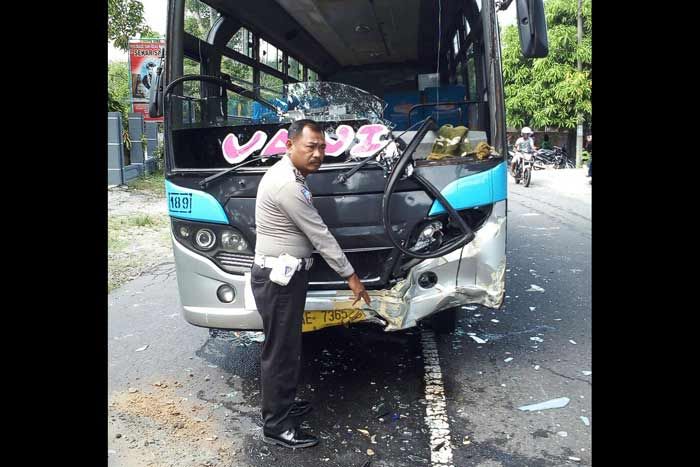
x: 120, y: 168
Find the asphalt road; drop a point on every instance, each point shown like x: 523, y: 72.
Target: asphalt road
x: 191, y: 399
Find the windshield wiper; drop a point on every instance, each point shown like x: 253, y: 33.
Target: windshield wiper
x: 204, y: 183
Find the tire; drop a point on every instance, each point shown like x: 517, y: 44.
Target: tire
x: 445, y: 321
x: 527, y: 175
x: 514, y: 174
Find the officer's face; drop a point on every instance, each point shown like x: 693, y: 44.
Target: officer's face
x: 307, y: 150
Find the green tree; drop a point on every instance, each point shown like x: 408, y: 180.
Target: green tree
x: 550, y: 91
x: 118, y: 94
x: 125, y: 21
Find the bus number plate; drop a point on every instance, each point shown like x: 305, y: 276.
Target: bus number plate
x: 180, y: 202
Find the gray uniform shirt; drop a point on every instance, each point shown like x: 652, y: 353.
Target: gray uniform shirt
x: 287, y: 221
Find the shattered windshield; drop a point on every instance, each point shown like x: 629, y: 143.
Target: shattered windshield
x: 326, y: 102
x: 203, y: 137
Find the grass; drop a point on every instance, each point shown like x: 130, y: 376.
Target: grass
x: 114, y: 241
x: 141, y: 220
x: 127, y: 233
x: 119, y: 228
x: 153, y: 183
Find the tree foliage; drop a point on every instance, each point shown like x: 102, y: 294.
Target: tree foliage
x: 118, y: 94
x: 125, y: 21
x: 550, y: 91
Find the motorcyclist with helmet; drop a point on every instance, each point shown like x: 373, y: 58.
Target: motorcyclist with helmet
x: 523, y: 144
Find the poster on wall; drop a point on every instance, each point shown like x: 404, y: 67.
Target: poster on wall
x: 144, y: 58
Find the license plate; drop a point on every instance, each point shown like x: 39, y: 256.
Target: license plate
x: 319, y: 319
x: 180, y: 202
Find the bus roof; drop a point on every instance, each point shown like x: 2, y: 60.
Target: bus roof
x: 350, y: 34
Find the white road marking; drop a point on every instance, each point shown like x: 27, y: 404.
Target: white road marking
x: 436, y: 408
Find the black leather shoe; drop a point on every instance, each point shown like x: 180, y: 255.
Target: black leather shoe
x: 300, y: 408
x: 294, y: 438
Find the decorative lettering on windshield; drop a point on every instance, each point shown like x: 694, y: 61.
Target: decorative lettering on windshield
x: 345, y: 135
x: 368, y: 142
x: 235, y: 153
x: 368, y: 137
x: 277, y: 144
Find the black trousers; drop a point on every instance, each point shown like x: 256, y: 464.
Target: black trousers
x: 282, y: 310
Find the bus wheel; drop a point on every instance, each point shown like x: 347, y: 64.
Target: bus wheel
x: 445, y: 321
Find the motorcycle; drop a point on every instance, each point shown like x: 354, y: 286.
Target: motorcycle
x: 555, y: 158
x: 524, y: 167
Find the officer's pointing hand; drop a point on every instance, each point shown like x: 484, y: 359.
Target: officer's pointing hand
x: 358, y: 289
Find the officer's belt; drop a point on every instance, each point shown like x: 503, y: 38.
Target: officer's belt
x: 270, y: 261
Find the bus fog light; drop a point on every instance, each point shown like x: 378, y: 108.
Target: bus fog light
x: 184, y: 231
x: 225, y: 293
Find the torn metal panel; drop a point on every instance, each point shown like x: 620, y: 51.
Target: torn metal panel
x: 459, y: 282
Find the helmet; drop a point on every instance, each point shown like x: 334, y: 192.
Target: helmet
x: 526, y: 130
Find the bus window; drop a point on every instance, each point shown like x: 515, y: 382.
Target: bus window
x: 242, y: 42
x: 190, y: 112
x: 471, y: 76
x: 270, y: 87
x: 270, y: 55
x: 241, y: 110
x: 199, y: 18
x: 240, y: 74
x: 295, y: 70
x: 460, y: 72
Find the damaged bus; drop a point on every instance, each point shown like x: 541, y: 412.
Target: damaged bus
x: 413, y: 185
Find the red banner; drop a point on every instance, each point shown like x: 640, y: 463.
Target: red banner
x: 144, y: 58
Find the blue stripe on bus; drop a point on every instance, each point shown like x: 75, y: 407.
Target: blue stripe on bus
x: 196, y: 205
x: 474, y: 190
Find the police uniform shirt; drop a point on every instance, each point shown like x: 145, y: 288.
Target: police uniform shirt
x: 287, y: 221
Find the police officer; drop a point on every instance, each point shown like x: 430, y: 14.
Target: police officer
x: 288, y: 223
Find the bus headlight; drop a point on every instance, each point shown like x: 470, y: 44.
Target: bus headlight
x: 430, y: 236
x: 233, y: 241
x: 204, y: 239
x: 184, y: 231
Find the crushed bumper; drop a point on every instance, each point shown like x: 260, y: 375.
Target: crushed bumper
x: 474, y: 274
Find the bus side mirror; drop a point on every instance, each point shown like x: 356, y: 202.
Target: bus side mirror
x: 155, y: 97
x: 532, y: 28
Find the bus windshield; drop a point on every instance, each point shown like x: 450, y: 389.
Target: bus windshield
x: 328, y: 102
x: 202, y: 130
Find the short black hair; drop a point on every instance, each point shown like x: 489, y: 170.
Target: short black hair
x: 296, y: 128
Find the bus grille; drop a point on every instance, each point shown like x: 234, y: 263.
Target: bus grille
x: 233, y: 262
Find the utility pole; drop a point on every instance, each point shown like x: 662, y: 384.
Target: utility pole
x: 579, y: 126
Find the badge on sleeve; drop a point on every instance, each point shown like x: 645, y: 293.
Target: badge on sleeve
x: 307, y: 194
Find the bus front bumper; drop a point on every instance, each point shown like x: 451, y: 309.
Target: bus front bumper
x: 474, y: 274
